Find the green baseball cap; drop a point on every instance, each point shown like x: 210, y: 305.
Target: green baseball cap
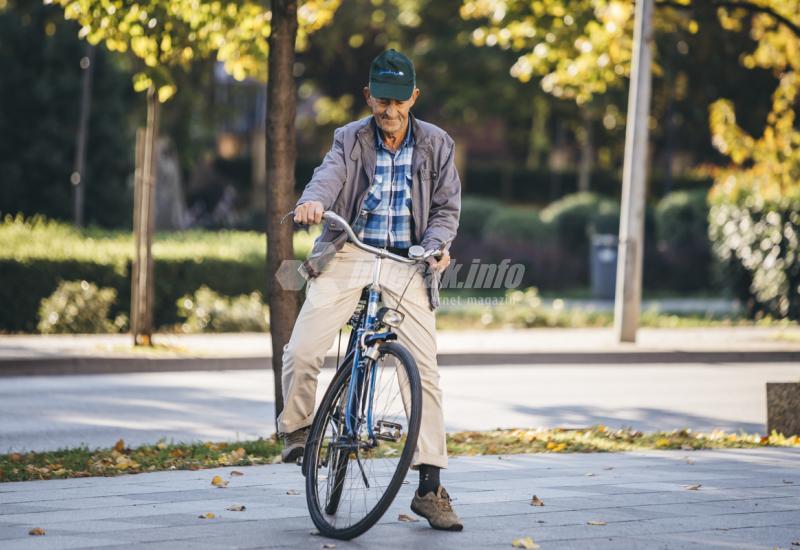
x: 392, y: 76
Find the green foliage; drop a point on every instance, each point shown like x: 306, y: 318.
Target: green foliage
x: 38, y: 254
x: 475, y: 213
x: 682, y: 218
x: 570, y: 218
x: 516, y: 224
x: 605, y: 219
x: 40, y: 98
x: 758, y: 243
x: 79, y: 307
x: 165, y: 35
x: 207, y: 311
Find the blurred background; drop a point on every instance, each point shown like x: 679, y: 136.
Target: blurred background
x: 534, y: 94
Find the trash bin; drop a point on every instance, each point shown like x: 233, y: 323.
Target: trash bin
x: 603, y: 266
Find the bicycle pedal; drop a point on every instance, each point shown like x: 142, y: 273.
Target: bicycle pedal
x: 388, y: 431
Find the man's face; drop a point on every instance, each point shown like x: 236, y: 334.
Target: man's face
x: 391, y: 115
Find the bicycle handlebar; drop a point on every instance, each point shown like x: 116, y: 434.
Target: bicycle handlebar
x: 333, y: 217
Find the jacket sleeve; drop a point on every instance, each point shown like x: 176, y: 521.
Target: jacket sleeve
x: 445, y: 204
x: 329, y: 177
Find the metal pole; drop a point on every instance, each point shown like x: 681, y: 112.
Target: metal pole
x: 77, y: 178
x: 631, y: 230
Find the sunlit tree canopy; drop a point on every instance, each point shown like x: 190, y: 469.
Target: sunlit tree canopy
x: 169, y: 34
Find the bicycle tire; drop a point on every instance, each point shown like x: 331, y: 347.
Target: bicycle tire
x: 405, y: 361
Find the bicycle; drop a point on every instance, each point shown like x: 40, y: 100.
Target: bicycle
x: 359, y: 447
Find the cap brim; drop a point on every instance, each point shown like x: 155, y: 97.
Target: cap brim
x: 384, y: 90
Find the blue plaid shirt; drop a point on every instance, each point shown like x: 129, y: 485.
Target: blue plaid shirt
x: 388, y: 201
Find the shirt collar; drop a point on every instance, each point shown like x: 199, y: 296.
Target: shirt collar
x: 408, y: 141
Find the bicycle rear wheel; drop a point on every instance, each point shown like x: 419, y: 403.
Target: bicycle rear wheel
x: 351, y: 482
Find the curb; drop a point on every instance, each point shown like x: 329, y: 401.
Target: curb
x: 81, y: 365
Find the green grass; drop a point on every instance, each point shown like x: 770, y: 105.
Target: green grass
x: 82, y: 462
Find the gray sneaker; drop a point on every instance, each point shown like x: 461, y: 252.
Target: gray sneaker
x: 294, y: 444
x: 436, y: 508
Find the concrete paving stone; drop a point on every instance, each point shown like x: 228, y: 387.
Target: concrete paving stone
x: 50, y: 542
x: 745, y: 538
x: 95, y: 526
x: 474, y: 497
x: 13, y: 531
x: 89, y: 502
x: 495, y: 508
x: 43, y: 495
x: 7, y: 509
x: 190, y: 544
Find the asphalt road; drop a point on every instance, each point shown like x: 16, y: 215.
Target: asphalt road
x: 50, y: 412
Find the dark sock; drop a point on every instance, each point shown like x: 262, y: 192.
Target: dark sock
x: 428, y: 479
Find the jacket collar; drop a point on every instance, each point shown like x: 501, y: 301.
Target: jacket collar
x: 366, y: 136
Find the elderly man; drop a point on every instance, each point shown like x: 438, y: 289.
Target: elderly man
x: 393, y: 177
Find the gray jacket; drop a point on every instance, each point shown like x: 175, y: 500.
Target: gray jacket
x: 341, y: 183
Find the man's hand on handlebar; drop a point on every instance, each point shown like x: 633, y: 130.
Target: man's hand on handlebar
x: 309, y: 213
x: 440, y: 264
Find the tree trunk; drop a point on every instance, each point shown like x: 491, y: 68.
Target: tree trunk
x: 142, y: 284
x: 281, y: 154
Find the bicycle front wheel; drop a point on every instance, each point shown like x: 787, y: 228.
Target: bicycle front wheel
x: 352, y: 479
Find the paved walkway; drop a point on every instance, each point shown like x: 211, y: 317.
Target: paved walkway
x: 48, y: 412
x: 88, y: 354
x: 746, y: 499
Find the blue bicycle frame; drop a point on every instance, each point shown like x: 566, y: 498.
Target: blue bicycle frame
x: 365, y: 337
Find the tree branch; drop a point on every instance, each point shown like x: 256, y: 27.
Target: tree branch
x: 743, y: 5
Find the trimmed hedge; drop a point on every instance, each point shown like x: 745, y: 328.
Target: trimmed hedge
x: 38, y: 254
x: 553, y: 244
x: 541, y: 187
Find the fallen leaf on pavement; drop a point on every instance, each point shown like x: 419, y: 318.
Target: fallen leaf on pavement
x: 207, y: 515
x: 608, y: 468
x: 596, y: 522
x: 796, y: 543
x: 314, y: 532
x: 119, y: 446
x: 589, y: 474
x: 236, y: 473
x: 694, y: 487
x: 689, y: 461
x: 329, y: 545
x: 217, y: 481
x: 292, y: 492
x: 237, y: 508
x: 536, y: 501
x: 36, y: 531
x: 404, y: 517
x: 527, y: 542
x: 787, y: 481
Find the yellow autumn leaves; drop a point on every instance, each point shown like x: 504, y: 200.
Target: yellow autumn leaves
x: 169, y: 34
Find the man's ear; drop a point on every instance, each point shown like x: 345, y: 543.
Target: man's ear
x: 367, y: 95
x: 414, y: 96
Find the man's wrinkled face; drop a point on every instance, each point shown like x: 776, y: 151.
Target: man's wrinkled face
x: 391, y: 115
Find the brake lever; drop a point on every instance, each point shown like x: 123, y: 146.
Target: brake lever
x: 283, y: 219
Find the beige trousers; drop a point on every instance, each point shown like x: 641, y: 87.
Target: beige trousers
x: 330, y: 300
